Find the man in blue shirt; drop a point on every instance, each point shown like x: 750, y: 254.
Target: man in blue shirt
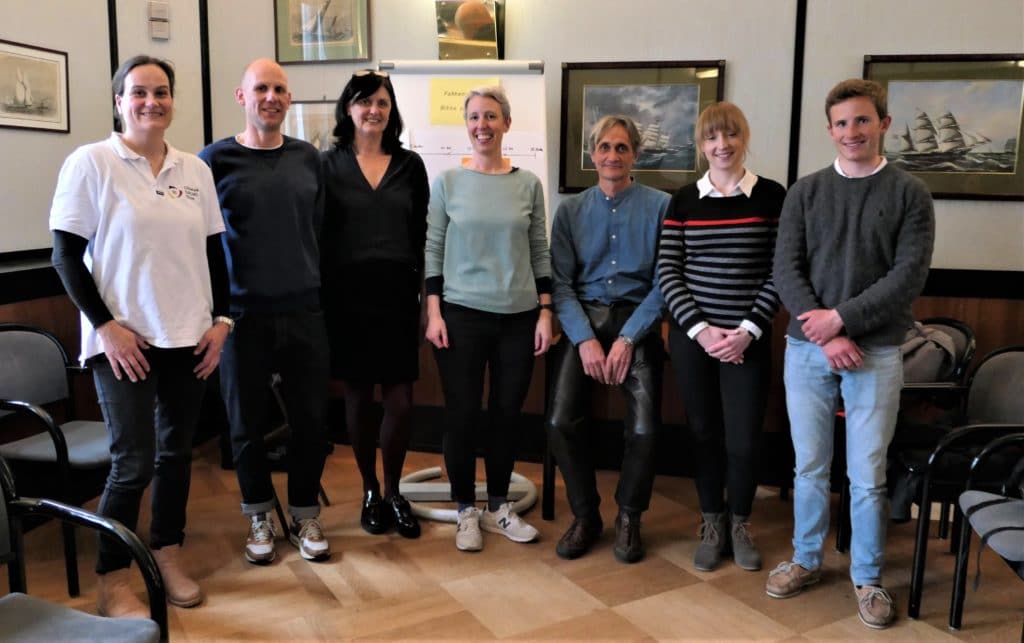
x: 603, y: 255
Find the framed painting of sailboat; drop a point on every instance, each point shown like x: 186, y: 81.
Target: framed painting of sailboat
x: 957, y: 121
x: 663, y: 98
x: 33, y: 88
x: 321, y: 31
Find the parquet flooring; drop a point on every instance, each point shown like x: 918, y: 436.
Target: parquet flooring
x: 389, y: 588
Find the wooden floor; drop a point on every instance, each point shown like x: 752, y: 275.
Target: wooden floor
x: 385, y: 587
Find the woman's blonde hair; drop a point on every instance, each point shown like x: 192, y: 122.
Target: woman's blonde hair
x: 721, y: 117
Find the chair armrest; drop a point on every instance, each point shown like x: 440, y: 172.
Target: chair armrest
x: 75, y: 369
x: 934, y: 387
x: 40, y: 415
x: 971, y: 434
x: 993, y: 447
x: 141, y: 554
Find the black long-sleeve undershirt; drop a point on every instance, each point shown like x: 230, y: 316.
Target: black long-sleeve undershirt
x: 68, y: 259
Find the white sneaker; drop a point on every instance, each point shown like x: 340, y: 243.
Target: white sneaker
x: 308, y: 536
x: 506, y: 522
x: 467, y: 532
x: 259, y: 547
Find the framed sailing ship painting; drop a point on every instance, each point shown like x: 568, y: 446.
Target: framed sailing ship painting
x: 662, y: 97
x: 957, y: 121
x: 321, y: 31
x: 312, y: 121
x: 33, y: 88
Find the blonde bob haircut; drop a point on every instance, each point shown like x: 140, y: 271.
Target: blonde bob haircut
x: 605, y: 123
x: 721, y: 117
x: 495, y: 93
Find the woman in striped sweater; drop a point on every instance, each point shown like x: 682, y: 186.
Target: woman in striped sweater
x: 715, y: 272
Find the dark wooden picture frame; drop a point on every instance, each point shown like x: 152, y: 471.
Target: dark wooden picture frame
x: 34, y: 88
x: 321, y: 31
x: 640, y: 90
x: 957, y: 121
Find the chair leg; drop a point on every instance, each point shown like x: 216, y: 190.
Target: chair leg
x: 280, y: 513
x: 954, y: 536
x: 920, y: 554
x: 956, y: 606
x: 323, y: 497
x: 547, y: 504
x: 944, y: 520
x: 71, y: 559
x: 843, y: 526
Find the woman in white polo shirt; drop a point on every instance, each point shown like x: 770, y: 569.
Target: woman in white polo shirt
x: 136, y: 241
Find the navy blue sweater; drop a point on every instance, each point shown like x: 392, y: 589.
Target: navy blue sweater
x: 272, y: 201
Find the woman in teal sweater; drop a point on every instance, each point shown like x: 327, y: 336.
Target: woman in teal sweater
x: 488, y: 284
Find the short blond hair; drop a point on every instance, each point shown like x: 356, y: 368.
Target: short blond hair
x: 495, y: 93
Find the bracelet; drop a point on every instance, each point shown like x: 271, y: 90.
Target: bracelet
x: 226, y: 320
x: 550, y: 307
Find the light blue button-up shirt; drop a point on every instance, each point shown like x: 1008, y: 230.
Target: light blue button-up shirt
x: 604, y: 249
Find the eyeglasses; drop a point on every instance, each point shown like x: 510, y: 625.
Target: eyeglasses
x: 367, y: 72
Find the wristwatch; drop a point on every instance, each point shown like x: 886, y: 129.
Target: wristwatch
x: 550, y: 307
x: 227, y: 320
x: 628, y: 341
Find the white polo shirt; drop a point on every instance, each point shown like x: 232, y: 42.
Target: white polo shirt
x: 147, y: 238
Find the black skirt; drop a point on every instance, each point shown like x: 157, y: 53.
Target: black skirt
x: 373, y: 322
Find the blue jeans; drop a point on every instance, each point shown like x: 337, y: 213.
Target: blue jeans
x: 293, y: 344
x: 150, y: 423
x: 871, y: 396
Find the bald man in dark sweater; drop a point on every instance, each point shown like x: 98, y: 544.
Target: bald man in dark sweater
x: 854, y: 246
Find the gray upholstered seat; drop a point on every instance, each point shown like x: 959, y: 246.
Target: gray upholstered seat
x: 1001, y: 523
x: 24, y: 618
x: 34, y: 372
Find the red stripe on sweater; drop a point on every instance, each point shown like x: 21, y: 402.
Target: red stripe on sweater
x: 727, y: 221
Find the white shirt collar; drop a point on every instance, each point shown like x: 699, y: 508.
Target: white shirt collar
x: 745, y: 186
x: 839, y: 170
x: 173, y: 156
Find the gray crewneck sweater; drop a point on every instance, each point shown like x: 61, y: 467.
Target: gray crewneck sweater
x: 860, y: 245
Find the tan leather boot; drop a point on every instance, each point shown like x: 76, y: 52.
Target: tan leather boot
x: 115, y: 598
x: 181, y: 590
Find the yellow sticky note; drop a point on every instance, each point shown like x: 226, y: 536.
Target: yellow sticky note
x: 447, y: 94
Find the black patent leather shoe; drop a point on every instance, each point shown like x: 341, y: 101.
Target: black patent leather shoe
x: 376, y: 517
x: 405, y: 522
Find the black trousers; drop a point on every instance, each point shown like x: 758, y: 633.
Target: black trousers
x: 502, y: 346
x: 151, y: 424
x: 569, y: 401
x: 293, y: 344
x: 725, y: 411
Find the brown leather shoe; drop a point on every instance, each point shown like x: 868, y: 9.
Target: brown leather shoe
x: 629, y: 548
x: 181, y: 589
x: 115, y: 598
x: 579, y: 538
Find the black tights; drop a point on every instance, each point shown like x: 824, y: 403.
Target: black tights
x: 395, y: 432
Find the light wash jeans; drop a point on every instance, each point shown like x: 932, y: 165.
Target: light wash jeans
x: 871, y: 396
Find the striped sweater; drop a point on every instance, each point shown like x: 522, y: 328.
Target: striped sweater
x: 715, y: 257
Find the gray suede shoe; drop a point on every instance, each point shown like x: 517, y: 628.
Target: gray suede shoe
x: 713, y: 541
x: 743, y: 550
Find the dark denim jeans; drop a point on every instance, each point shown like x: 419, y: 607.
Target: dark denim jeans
x: 294, y: 345
x: 151, y: 424
x: 502, y: 346
x: 569, y: 403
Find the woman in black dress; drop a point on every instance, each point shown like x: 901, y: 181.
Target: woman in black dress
x: 374, y: 230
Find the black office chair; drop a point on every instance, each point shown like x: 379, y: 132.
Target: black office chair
x: 34, y: 371
x: 994, y: 407
x: 997, y: 518
x: 945, y: 389
x: 26, y: 618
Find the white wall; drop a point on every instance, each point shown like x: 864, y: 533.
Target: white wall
x: 982, y: 235
x: 758, y: 70
x: 186, y: 131
x: 755, y: 39
x: 31, y: 159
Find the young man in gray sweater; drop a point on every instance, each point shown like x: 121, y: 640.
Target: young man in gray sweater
x: 854, y: 246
